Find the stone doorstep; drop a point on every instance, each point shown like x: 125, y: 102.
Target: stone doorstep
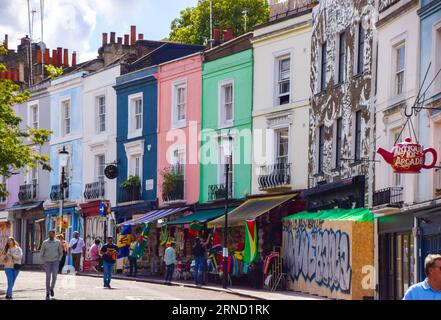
x: 187, y: 285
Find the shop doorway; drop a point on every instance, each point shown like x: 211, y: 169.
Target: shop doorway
x: 29, y: 241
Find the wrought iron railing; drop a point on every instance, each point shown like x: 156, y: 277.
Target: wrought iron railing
x: 390, y: 196
x: 218, y: 192
x: 129, y: 194
x: 56, y: 193
x: 95, y: 190
x: 274, y: 176
x: 173, y: 185
x: 27, y: 192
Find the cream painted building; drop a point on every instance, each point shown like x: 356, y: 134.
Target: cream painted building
x: 282, y: 54
x: 397, y: 86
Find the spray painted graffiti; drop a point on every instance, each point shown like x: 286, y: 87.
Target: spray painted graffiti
x: 318, y: 255
x: 94, y: 230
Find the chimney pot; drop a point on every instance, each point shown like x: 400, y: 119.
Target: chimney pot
x: 74, y: 59
x: 14, y: 75
x: 54, y: 59
x: 228, y: 34
x: 39, y: 56
x: 66, y: 58
x: 112, y: 37
x: 126, y: 40
x: 132, y: 35
x: 120, y: 40
x: 141, y: 36
x: 59, y: 56
x: 5, y: 43
x: 104, y: 39
x: 47, y: 58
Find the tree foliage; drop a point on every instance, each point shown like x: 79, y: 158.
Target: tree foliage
x: 193, y: 26
x: 14, y: 153
x: 53, y: 72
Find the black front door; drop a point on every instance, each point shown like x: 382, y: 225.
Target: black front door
x: 29, y: 242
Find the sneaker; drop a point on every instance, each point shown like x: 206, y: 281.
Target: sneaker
x: 7, y: 297
x: 48, y: 297
x: 52, y: 292
x: 108, y: 286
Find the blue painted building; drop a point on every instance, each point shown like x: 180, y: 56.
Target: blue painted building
x: 66, y: 107
x: 428, y: 219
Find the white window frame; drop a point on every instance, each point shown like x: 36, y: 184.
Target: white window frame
x: 222, y: 123
x: 181, y: 149
x: 32, y: 107
x: 357, y: 49
x: 320, y: 68
x: 99, y: 177
x: 402, y: 71
x: 276, y: 144
x: 134, y: 149
x: 63, y: 101
x: 436, y: 57
x: 98, y: 113
x: 337, y: 59
x: 180, y: 84
x: 278, y: 57
x: 132, y: 131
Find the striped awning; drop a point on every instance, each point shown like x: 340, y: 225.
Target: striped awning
x: 153, y: 216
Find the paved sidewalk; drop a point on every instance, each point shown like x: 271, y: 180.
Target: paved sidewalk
x: 240, y: 291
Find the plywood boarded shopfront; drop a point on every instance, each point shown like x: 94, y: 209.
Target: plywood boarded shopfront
x: 330, y: 253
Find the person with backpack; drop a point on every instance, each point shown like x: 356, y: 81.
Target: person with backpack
x: 76, y: 248
x: 109, y: 252
x: 12, y: 256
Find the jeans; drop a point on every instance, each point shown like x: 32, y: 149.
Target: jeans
x: 51, y: 270
x: 108, y: 268
x: 199, y: 267
x: 133, y: 266
x: 76, y: 257
x: 170, y: 270
x: 11, y: 274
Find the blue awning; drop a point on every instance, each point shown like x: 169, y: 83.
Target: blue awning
x: 26, y: 206
x: 153, y: 216
x: 57, y: 210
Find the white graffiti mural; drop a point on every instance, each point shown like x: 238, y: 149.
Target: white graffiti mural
x: 318, y: 255
x: 94, y: 230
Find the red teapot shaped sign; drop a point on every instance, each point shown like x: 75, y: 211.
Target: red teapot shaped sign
x: 408, y: 157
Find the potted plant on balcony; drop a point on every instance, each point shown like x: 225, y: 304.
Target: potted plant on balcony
x: 172, y: 185
x: 132, y: 186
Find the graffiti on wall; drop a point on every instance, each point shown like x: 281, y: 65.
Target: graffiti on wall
x: 94, y: 230
x: 5, y: 233
x: 319, y: 255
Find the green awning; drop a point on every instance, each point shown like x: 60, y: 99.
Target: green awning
x: 202, y: 216
x: 337, y: 214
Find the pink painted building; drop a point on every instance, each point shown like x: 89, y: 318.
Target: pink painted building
x: 179, y: 124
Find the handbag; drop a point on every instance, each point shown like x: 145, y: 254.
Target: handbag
x: 17, y: 266
x: 75, y: 245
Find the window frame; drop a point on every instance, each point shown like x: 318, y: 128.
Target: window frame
x: 323, y: 66
x: 321, y: 148
x: 399, y: 73
x: 34, y: 109
x: 132, y: 131
x: 99, y: 115
x: 277, y: 81
x: 176, y: 86
x: 357, y: 136
x: 277, y: 156
x: 341, y: 58
x: 223, y: 123
x: 98, y: 177
x: 338, y: 142
x: 360, y: 48
x: 65, y: 101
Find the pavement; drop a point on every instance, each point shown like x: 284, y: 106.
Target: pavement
x: 240, y: 291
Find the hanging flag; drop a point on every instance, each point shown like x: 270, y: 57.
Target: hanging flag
x: 163, y: 236
x: 124, y: 240
x: 216, y: 242
x: 250, y: 251
x: 195, y: 229
x: 141, y: 242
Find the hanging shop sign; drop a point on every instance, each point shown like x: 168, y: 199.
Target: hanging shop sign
x: 111, y: 171
x: 408, y: 157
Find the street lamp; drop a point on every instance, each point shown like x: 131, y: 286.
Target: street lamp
x: 63, y: 158
x: 227, y: 146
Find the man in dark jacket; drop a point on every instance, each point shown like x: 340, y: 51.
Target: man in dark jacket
x: 198, y: 254
x: 109, y: 252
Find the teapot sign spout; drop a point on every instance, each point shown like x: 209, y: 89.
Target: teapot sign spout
x: 387, y: 156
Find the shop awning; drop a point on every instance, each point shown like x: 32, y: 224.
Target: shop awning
x: 337, y: 214
x: 26, y: 206
x: 153, y: 216
x: 202, y: 216
x: 251, y: 209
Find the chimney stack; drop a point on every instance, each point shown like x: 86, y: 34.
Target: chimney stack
x: 59, y: 56
x: 39, y: 56
x: 132, y: 35
x: 14, y: 75
x: 119, y: 40
x: 66, y: 58
x: 228, y: 34
x: 47, y: 58
x: 216, y: 35
x: 126, y: 40
x: 112, y: 37
x: 5, y: 43
x: 74, y: 59
x: 54, y: 57
x: 104, y: 39
x: 141, y: 36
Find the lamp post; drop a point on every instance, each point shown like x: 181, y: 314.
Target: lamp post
x: 227, y: 149
x: 63, y: 158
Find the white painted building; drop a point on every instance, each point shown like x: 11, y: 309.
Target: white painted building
x: 282, y: 54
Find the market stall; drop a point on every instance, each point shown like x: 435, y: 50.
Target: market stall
x: 330, y: 253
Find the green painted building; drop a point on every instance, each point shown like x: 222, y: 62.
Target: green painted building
x: 227, y: 98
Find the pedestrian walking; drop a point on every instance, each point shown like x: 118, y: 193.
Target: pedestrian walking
x: 109, y: 252
x: 430, y: 288
x: 77, y: 247
x: 170, y: 261
x: 198, y: 255
x: 12, y: 256
x: 133, y: 267
x: 94, y: 253
x: 60, y: 238
x: 51, y: 253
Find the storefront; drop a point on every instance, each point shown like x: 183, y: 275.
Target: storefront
x: 5, y: 228
x: 330, y: 253
x: 29, y: 229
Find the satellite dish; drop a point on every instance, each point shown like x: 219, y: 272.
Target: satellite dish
x: 111, y: 171
x: 41, y: 45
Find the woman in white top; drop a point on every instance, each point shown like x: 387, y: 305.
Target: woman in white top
x: 12, y: 256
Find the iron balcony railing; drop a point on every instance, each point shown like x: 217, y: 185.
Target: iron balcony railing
x: 218, y: 192
x: 274, y: 176
x: 390, y: 196
x: 173, y: 186
x: 95, y: 190
x: 129, y: 194
x: 56, y: 193
x: 27, y: 192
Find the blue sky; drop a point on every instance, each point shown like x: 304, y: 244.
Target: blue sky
x: 79, y: 24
